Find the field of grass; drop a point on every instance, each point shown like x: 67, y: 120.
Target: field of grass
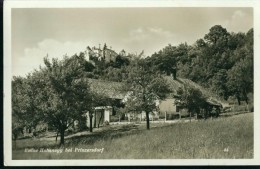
x: 222, y: 138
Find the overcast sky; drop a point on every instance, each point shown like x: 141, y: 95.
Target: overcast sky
x: 36, y: 32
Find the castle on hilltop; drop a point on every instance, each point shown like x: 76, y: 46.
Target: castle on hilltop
x: 101, y: 54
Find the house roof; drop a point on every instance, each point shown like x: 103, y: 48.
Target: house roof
x: 108, y: 88
x: 213, y: 102
x: 115, y: 90
x: 180, y: 82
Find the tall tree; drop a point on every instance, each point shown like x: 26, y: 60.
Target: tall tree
x: 64, y: 94
x: 241, y: 75
x: 219, y: 84
x: 191, y: 98
x: 24, y: 104
x: 240, y: 81
x: 19, y: 109
x: 216, y: 33
x: 145, y: 88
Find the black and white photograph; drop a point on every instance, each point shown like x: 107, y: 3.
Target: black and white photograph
x: 130, y: 82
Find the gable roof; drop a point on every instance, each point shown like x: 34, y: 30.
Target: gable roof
x: 114, y: 90
x: 180, y: 82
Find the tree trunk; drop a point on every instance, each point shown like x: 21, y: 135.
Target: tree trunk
x: 245, y: 96
x: 147, y: 121
x: 57, y: 134
x: 62, y: 136
x: 190, y: 116
x: 238, y: 100
x: 205, y: 113
x: 90, y: 122
x: 174, y: 72
x: 246, y: 99
x: 95, y: 121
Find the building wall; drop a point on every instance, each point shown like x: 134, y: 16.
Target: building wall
x: 168, y: 106
x: 100, y: 115
x: 108, y: 112
x: 106, y: 116
x: 88, y: 119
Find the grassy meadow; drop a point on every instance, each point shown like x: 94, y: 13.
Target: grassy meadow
x: 222, y: 138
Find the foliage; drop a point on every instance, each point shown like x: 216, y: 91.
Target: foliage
x: 240, y: 79
x: 221, y: 61
x: 216, y: 34
x: 145, y: 87
x: 24, y: 105
x: 58, y: 94
x: 191, y: 98
x: 19, y: 109
x: 212, y: 62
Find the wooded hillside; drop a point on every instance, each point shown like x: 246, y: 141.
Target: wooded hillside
x: 221, y: 61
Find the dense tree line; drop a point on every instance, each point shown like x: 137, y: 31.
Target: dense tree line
x: 221, y: 61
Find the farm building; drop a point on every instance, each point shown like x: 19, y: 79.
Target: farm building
x: 116, y: 96
x: 113, y: 94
